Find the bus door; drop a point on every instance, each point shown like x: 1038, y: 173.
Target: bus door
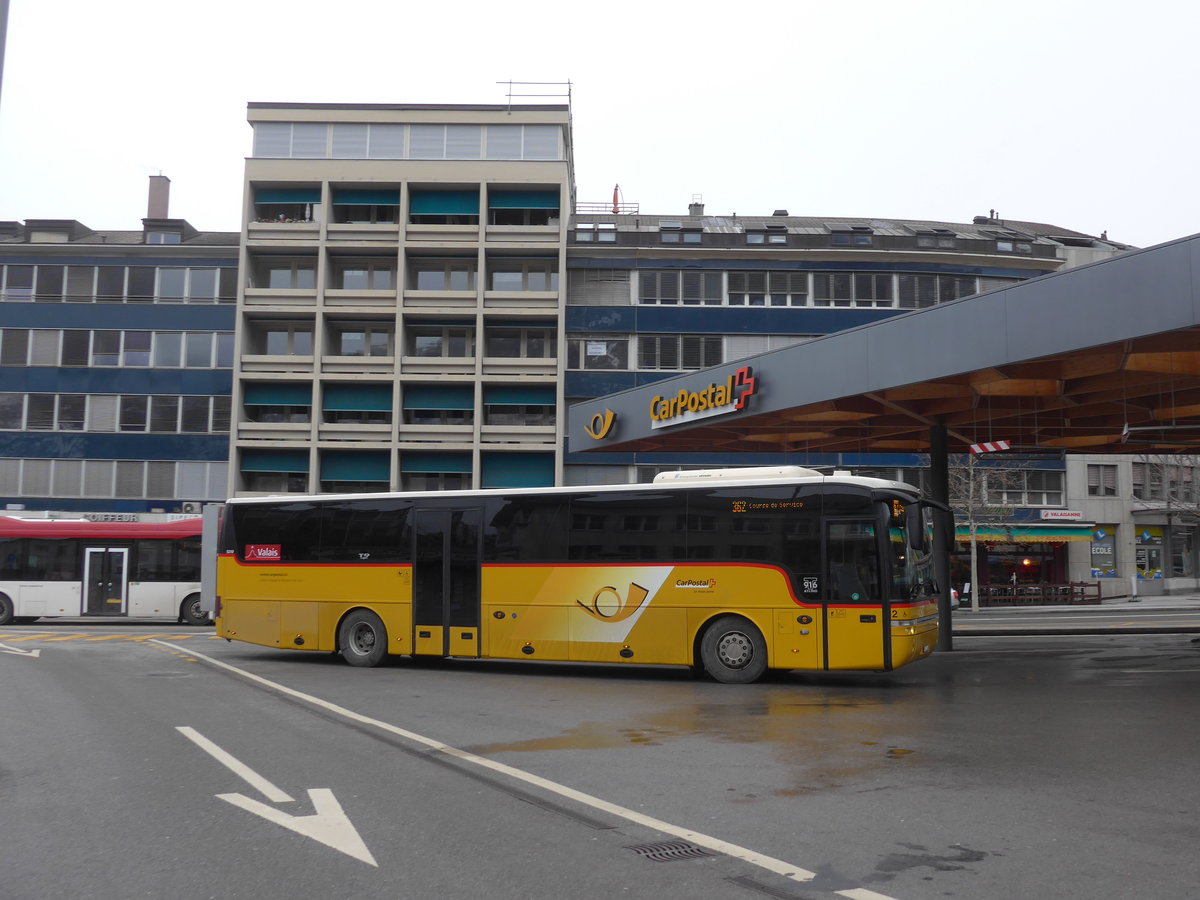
x: 105, y: 576
x: 446, y: 565
x: 856, y: 607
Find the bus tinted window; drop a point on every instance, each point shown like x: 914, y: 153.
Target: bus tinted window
x: 49, y: 559
x: 634, y: 526
x: 365, y: 530
x: 285, y: 532
x: 187, y: 560
x: 11, y: 553
x: 153, y: 561
x: 532, y: 529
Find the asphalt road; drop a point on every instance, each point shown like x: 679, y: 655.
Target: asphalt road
x: 1017, y: 766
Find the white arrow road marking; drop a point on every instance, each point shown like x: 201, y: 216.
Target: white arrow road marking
x: 20, y: 651
x: 329, y: 824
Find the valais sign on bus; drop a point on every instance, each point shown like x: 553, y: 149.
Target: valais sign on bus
x: 715, y: 399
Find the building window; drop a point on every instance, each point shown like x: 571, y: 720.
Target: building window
x: 768, y: 288
x: 441, y: 275
x: 361, y: 340
x: 353, y: 206
x: 1102, y: 481
x: 517, y: 275
x: 18, y: 284
x: 679, y: 235
x: 531, y: 207
x: 444, y: 207
x: 673, y: 287
x: 597, y: 351
x: 515, y: 342
x: 852, y: 289
x: 851, y: 235
x: 440, y: 341
x: 281, y: 340
x: 680, y: 351
x: 1032, y: 487
x: 600, y: 232
x: 163, y: 237
x: 364, y: 275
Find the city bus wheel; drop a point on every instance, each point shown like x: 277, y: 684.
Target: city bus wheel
x: 362, y: 638
x: 733, y: 651
x: 190, y: 612
x: 6, y: 610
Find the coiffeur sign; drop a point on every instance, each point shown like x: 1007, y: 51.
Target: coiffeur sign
x: 715, y: 399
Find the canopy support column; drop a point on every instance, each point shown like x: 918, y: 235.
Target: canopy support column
x: 939, y: 488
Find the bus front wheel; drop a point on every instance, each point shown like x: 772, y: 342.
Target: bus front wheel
x: 362, y: 638
x: 733, y: 651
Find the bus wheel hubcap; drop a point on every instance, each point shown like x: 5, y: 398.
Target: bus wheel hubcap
x: 363, y: 640
x: 734, y: 649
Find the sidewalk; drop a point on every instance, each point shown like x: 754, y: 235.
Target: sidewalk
x: 1175, y: 601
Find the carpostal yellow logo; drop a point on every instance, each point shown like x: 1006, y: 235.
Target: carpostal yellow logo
x: 716, y: 399
x: 703, y: 584
x: 600, y: 425
x: 609, y: 606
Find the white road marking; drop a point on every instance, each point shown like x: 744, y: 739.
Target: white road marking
x: 20, y: 651
x: 771, y: 864
x: 329, y: 824
x: 235, y: 765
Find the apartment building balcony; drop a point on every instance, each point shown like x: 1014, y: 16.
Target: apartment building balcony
x: 290, y: 365
x: 378, y: 434
x: 453, y: 235
x: 418, y: 299
x: 529, y: 234
x: 281, y: 298
x: 446, y: 437
x: 344, y: 298
x: 283, y: 231
x: 437, y: 365
x: 507, y: 366
x: 536, y: 436
x: 358, y: 365
x: 364, y: 232
x: 517, y: 301
x: 274, y: 431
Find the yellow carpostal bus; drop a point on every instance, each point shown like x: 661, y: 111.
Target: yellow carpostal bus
x: 730, y: 571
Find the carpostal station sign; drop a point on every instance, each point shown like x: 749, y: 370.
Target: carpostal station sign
x: 714, y: 399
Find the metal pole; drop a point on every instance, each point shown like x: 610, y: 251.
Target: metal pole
x: 939, y: 488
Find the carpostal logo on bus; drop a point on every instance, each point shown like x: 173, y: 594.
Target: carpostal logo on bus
x: 703, y: 584
x: 715, y: 399
x: 264, y: 552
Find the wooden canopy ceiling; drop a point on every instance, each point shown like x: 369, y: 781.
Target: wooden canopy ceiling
x: 1137, y: 396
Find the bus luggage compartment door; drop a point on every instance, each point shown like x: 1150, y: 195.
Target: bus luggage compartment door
x: 105, y: 574
x: 856, y: 614
x: 446, y: 562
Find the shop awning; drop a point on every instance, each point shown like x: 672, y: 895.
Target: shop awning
x: 1025, y: 534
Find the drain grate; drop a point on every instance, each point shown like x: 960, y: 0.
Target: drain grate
x: 669, y: 851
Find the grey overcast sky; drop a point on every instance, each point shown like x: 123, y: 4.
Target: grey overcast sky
x: 1079, y: 113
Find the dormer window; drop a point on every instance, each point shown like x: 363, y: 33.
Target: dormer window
x: 675, y: 233
x: 851, y: 235
x: 601, y: 232
x: 935, y: 238
x: 163, y: 237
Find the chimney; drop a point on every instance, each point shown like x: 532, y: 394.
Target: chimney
x: 780, y: 212
x: 160, y: 197
x: 696, y: 207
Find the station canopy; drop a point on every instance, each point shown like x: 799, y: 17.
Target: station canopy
x: 1103, y: 358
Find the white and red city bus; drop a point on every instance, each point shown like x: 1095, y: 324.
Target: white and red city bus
x: 75, y: 567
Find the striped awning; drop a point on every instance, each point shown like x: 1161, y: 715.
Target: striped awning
x: 1025, y: 534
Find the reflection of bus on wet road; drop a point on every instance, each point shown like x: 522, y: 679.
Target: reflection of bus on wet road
x: 74, y: 567
x: 730, y: 571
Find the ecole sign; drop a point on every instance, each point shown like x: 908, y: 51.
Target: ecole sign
x: 715, y: 399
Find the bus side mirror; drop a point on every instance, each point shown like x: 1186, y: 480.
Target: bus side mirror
x: 914, y: 526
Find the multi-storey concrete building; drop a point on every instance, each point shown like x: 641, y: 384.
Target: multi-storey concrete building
x: 400, y: 312
x: 116, y: 353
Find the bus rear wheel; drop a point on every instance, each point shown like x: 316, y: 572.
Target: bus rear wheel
x: 6, y: 610
x: 362, y: 638
x: 190, y: 612
x: 733, y: 651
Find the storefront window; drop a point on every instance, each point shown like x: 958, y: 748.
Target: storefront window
x: 1149, y: 552
x: 1182, y: 555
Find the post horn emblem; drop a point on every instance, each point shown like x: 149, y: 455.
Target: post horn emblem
x: 601, y: 424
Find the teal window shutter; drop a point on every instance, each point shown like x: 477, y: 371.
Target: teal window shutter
x: 439, y: 396
x: 348, y: 197
x: 357, y: 398
x: 266, y: 394
x: 523, y: 199
x: 519, y: 394
x: 517, y: 470
x: 351, y: 465
x: 422, y: 461
x: 444, y: 203
x: 275, y: 461
x: 287, y: 195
